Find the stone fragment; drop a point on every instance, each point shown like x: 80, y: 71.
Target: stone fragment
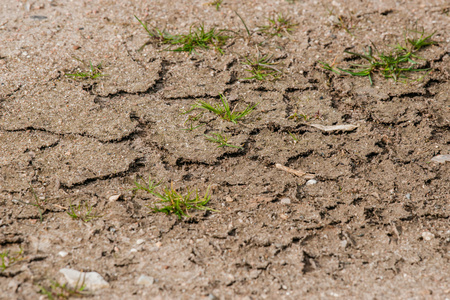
x: 91, y: 280
x: 285, y: 200
x: 145, y: 280
x: 311, y: 182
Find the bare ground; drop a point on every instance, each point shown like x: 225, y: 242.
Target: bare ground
x: 373, y: 226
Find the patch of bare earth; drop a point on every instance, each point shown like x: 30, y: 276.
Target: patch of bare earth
x: 372, y: 223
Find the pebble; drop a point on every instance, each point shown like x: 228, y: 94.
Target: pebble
x: 133, y: 250
x: 145, y: 280
x: 114, y: 197
x: 408, y: 196
x: 285, y: 200
x: 311, y: 182
x: 442, y: 159
x: 427, y: 236
x: 92, y: 280
x: 63, y: 253
x: 140, y: 241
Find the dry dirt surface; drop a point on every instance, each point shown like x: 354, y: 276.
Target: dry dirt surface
x: 369, y: 220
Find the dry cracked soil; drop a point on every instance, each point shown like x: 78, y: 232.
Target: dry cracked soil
x: 372, y: 223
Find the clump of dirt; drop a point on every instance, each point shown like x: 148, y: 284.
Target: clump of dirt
x: 370, y: 219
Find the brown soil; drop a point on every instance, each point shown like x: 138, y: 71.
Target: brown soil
x: 375, y: 225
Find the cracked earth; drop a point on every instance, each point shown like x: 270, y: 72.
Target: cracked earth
x: 372, y: 225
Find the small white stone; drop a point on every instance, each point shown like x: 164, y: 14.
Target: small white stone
x: 145, y: 280
x: 311, y: 182
x: 140, y: 241
x: 133, y: 250
x: 92, y: 280
x: 114, y: 198
x: 63, y: 253
x: 427, y: 236
x: 285, y: 200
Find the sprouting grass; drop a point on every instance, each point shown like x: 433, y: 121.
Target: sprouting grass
x: 221, y: 140
x: 396, y: 64
x: 93, y: 73
x: 8, y: 259
x: 294, y: 137
x: 172, y: 201
x: 262, y: 68
x: 197, y: 38
x: 191, y: 121
x: 38, y: 203
x: 343, y: 22
x: 57, y: 291
x: 305, y: 117
x: 279, y: 25
x: 224, y: 111
x: 84, y: 212
x: 216, y: 3
x: 249, y: 34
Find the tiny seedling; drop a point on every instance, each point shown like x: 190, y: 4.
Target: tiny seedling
x: 294, y: 137
x: 224, y: 111
x: 173, y: 201
x: 261, y: 68
x: 396, y: 64
x: 245, y: 25
x: 343, y: 22
x: 58, y: 291
x: 197, y: 38
x: 216, y: 3
x: 221, y: 140
x: 279, y: 25
x: 9, y: 259
x: 38, y: 203
x: 93, y: 73
x: 305, y: 117
x: 84, y: 212
x: 191, y: 120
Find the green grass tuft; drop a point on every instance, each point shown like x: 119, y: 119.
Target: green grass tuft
x: 224, y: 111
x: 221, y: 140
x: 84, y: 212
x: 396, y: 64
x: 57, y: 291
x: 197, y: 38
x: 93, y: 73
x: 262, y: 68
x: 8, y: 259
x: 173, y: 201
x: 279, y: 25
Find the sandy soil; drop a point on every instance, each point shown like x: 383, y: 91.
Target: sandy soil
x: 374, y: 225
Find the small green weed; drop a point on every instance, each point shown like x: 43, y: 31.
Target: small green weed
x: 342, y: 22
x: 396, y: 64
x: 224, y: 111
x: 294, y: 137
x: 197, y: 38
x: 279, y: 25
x: 38, y: 203
x: 83, y: 211
x: 191, y: 121
x: 221, y: 140
x: 9, y: 259
x: 261, y: 68
x: 216, y: 3
x: 249, y: 34
x: 57, y: 291
x: 305, y: 117
x: 93, y: 73
x: 174, y: 202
